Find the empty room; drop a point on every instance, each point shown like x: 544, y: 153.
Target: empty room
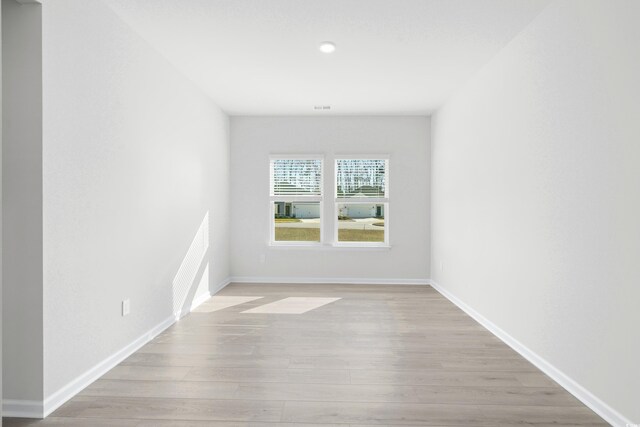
x: 316, y: 213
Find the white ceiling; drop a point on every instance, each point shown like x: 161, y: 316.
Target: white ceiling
x: 256, y: 57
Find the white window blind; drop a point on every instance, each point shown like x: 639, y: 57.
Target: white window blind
x: 357, y: 178
x: 296, y: 177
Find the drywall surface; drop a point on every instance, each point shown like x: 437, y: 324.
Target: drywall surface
x: 22, y: 202
x: 535, y: 197
x: 0, y: 217
x: 135, y: 169
x: 405, y: 139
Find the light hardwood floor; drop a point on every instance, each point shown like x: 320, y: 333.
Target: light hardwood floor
x: 380, y: 355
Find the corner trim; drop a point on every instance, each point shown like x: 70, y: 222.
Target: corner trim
x: 203, y: 297
x: 42, y: 409
x: 220, y: 286
x: 609, y: 414
x: 327, y: 280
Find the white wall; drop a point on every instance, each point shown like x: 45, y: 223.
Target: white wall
x: 535, y: 194
x: 135, y: 157
x: 0, y: 216
x: 406, y: 139
x: 22, y: 202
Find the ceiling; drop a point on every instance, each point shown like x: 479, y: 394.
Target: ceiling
x: 261, y: 57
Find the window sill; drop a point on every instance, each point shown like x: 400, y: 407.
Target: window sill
x: 359, y: 246
x: 295, y: 244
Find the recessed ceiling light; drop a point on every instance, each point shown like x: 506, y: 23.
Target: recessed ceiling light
x: 327, y: 47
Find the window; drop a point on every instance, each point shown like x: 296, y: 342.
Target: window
x: 296, y: 199
x: 362, y: 202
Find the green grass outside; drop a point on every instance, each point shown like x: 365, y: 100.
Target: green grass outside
x: 313, y: 235
x: 287, y: 220
x: 284, y: 234
x: 349, y: 235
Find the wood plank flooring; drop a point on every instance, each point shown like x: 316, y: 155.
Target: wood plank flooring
x: 378, y: 356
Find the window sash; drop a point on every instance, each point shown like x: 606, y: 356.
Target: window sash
x: 336, y: 231
x: 296, y: 177
x: 290, y: 186
x: 362, y: 179
x: 273, y: 224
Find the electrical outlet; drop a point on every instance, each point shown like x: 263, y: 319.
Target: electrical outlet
x: 441, y: 266
x: 263, y: 258
x: 126, y: 307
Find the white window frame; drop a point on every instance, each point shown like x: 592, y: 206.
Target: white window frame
x: 385, y: 201
x: 291, y: 199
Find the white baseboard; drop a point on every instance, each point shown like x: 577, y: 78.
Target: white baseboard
x: 328, y: 280
x: 609, y: 414
x: 22, y: 408
x: 41, y: 409
x: 58, y: 398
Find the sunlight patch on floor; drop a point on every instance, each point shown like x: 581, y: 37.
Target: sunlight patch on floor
x: 292, y: 305
x: 221, y: 302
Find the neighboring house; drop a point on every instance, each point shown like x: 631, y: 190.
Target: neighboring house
x: 282, y: 209
x: 305, y: 209
x: 297, y: 209
x: 312, y: 209
x: 361, y: 210
x: 294, y: 209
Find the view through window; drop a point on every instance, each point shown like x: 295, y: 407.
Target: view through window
x: 361, y: 200
x: 296, y: 196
